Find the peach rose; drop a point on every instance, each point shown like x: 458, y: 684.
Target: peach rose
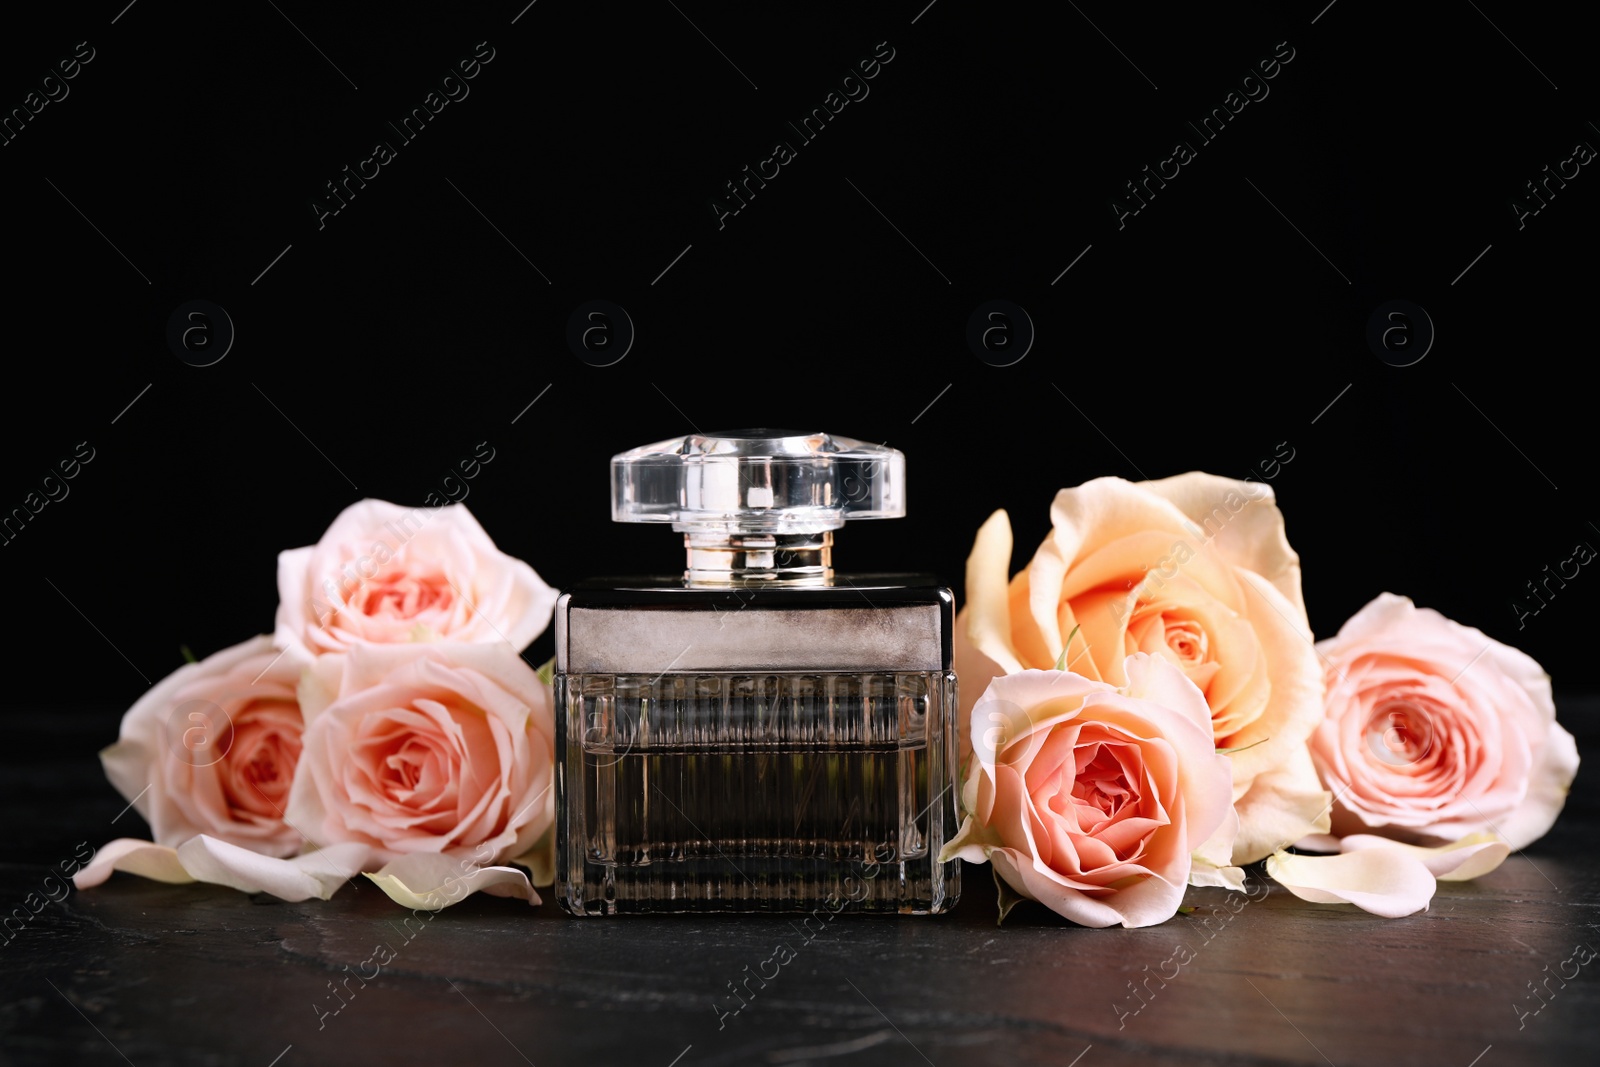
x: 434, y: 750
x: 1195, y: 570
x: 1091, y: 799
x: 385, y: 574
x: 1435, y: 731
x: 212, y: 748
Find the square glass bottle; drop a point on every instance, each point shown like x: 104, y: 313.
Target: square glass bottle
x: 759, y: 734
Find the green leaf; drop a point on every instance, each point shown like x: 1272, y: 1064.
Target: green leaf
x: 547, y: 671
x: 1061, y: 660
x: 1242, y: 748
x: 1186, y: 909
x: 188, y: 657
x: 1009, y: 898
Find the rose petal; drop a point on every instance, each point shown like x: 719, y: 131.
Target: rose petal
x: 976, y: 671
x: 1152, y: 678
x: 435, y: 572
x: 988, y: 618
x: 1210, y: 864
x: 316, y: 874
x: 1548, y: 784
x: 234, y: 696
x: 1459, y: 861
x: 1205, y: 785
x: 541, y: 859
x: 147, y: 860
x: 334, y: 865
x: 431, y: 881
x: 1150, y: 901
x: 1127, y: 560
x: 1281, y: 806
x: 1296, y: 688
x: 971, y: 843
x: 1318, y: 843
x: 319, y: 683
x: 477, y: 725
x: 1252, y: 537
x: 1492, y: 758
x: 1016, y: 707
x: 1386, y: 882
x: 1379, y: 616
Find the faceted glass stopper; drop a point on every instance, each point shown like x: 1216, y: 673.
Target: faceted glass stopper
x: 757, y: 481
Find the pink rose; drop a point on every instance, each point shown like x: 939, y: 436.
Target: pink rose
x: 439, y: 749
x: 212, y: 748
x: 1092, y: 799
x: 1436, y: 731
x: 384, y: 574
x: 1194, y: 569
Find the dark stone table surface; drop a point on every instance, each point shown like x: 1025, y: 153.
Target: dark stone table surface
x: 142, y: 973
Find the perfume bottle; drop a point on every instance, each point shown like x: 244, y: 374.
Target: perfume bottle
x: 759, y: 733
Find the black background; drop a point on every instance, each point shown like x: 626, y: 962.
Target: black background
x: 380, y: 349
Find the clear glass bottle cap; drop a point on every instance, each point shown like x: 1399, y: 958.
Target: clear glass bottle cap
x: 757, y: 481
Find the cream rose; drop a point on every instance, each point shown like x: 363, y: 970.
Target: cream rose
x: 1090, y: 799
x: 1194, y: 569
x: 212, y: 748
x: 385, y: 574
x: 1434, y: 731
x: 442, y: 750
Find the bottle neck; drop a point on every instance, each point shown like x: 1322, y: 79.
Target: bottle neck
x: 759, y: 558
